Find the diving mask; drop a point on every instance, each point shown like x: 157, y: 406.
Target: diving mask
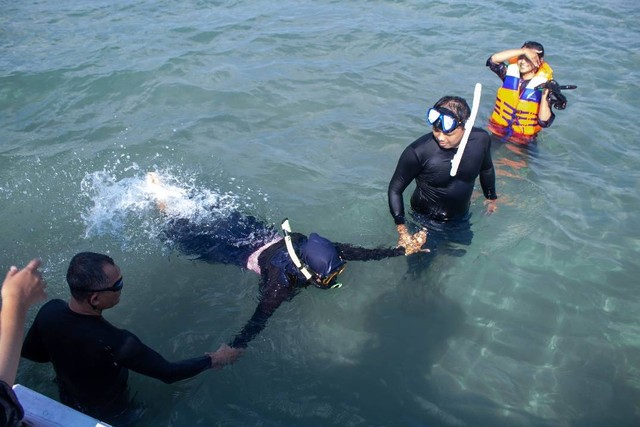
x: 442, y: 119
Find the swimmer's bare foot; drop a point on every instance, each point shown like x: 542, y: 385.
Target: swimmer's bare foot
x: 153, y: 179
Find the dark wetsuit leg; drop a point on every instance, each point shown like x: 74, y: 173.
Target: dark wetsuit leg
x: 227, y: 240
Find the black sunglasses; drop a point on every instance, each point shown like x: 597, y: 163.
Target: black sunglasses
x: 115, y: 288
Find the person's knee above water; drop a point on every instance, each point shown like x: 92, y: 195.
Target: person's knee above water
x: 522, y: 106
x: 90, y: 356
x: 428, y: 161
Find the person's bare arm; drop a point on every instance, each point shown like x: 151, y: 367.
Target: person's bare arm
x: 505, y: 55
x: 20, y: 290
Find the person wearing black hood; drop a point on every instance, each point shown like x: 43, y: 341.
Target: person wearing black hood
x: 286, y: 264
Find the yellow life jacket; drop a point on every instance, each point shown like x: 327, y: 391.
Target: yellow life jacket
x: 517, y: 113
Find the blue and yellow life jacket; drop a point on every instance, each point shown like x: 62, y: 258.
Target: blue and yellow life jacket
x: 515, y: 111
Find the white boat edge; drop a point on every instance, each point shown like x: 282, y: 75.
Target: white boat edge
x: 42, y: 411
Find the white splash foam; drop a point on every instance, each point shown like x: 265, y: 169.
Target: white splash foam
x: 128, y: 208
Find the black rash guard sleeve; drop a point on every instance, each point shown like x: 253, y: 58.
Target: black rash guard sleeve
x: 488, y: 175
x: 266, y: 307
x: 350, y: 252
x: 278, y: 284
x: 142, y: 359
x: 407, y: 170
x: 488, y: 183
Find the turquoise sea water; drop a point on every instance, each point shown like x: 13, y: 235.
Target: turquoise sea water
x: 300, y: 110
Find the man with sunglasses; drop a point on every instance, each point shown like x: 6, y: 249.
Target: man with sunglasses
x: 440, y: 201
x: 90, y: 356
x: 522, y: 106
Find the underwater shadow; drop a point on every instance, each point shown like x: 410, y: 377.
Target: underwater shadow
x: 411, y: 327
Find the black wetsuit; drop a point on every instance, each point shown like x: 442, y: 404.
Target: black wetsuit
x: 233, y: 239
x: 91, y: 358
x: 439, y: 196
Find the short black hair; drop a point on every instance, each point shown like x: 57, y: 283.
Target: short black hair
x: 457, y: 105
x: 536, y: 46
x: 86, y: 273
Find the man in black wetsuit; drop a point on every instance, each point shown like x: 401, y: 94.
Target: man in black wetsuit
x: 90, y: 356
x: 440, y: 201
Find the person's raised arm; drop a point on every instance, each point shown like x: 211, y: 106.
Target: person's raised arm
x: 21, y: 289
x: 505, y: 55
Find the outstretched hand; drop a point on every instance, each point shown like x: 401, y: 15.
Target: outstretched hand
x: 412, y: 243
x: 225, y: 355
x: 25, y: 287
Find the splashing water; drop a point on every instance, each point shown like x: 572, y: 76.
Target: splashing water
x: 136, y: 208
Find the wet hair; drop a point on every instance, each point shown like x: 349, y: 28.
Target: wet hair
x: 86, y: 273
x: 456, y: 105
x: 535, y: 46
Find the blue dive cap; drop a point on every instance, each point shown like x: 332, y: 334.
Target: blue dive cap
x: 320, y: 255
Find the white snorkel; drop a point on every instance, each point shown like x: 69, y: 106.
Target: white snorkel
x: 286, y: 228
x: 455, y: 162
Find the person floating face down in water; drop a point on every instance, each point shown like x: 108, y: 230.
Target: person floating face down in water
x: 286, y: 265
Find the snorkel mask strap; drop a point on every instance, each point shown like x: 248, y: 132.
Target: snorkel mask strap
x: 286, y: 229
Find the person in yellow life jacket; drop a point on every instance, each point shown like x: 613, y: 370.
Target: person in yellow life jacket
x: 521, y: 109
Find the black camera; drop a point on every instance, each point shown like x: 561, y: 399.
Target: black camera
x: 555, y: 97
